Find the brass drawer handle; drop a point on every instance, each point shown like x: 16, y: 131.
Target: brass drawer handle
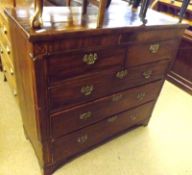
x: 4, y: 70
x: 1, y: 51
x: 117, y: 97
x: 112, y: 119
x: 141, y: 95
x: 133, y: 117
x: 11, y: 71
x: 82, y: 139
x: 122, y: 74
x: 90, y: 58
x: 85, y: 115
x: 147, y: 74
x: 4, y: 30
x: 154, y: 48
x: 87, y: 90
x: 8, y: 50
x: 14, y: 92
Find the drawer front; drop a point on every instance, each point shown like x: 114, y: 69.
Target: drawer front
x: 81, y: 90
x: 3, y: 33
x: 8, y: 72
x: 66, y: 65
x: 84, y: 115
x: 6, y: 59
x: 150, y: 35
x: 4, y: 27
x: 80, y: 42
x: 83, y: 139
x: 7, y: 51
x: 145, y: 53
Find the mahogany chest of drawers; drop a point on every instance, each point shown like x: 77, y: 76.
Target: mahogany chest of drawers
x: 79, y: 85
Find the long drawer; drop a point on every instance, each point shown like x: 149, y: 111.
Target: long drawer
x: 80, y: 90
x: 84, y: 115
x: 66, y: 65
x: 83, y: 139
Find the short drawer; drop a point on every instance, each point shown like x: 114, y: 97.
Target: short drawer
x: 152, y: 35
x: 72, y: 144
x: 145, y: 53
x: 66, y: 65
x: 84, y: 115
x: 80, y: 90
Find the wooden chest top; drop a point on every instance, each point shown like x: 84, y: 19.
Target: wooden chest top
x: 64, y: 22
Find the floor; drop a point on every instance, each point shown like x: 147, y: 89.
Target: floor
x: 162, y: 148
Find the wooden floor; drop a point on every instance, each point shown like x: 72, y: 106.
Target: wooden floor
x: 162, y: 148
